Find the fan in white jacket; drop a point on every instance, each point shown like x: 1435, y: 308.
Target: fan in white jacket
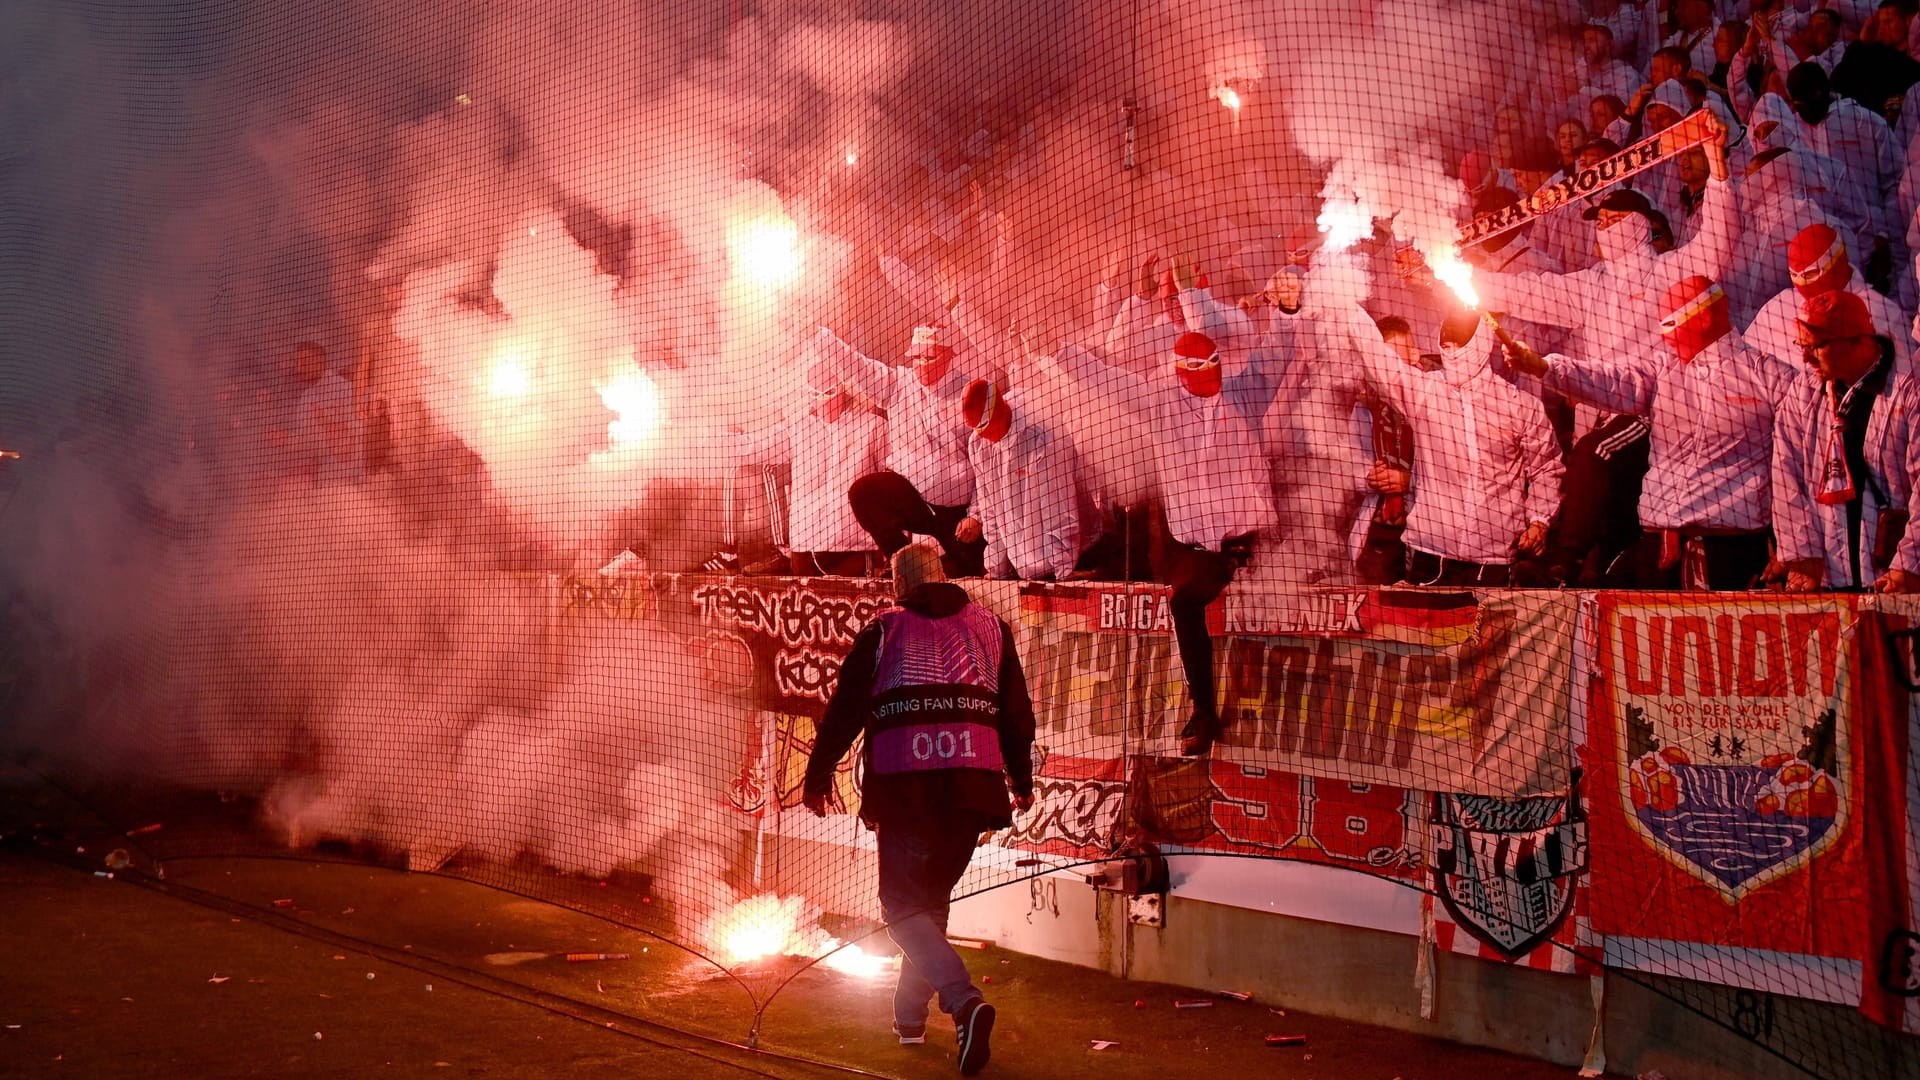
x: 1613, y: 306
x: 926, y: 482
x: 1030, y: 502
x: 1710, y: 402
x: 1860, y: 141
x: 1486, y: 476
x: 1786, y: 190
x: 836, y: 440
x: 1819, y: 262
x: 1846, y: 459
x: 1313, y: 433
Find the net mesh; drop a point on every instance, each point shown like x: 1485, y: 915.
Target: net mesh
x: 1464, y: 445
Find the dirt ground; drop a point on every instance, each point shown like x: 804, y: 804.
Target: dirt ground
x: 217, y: 954
x: 373, y: 969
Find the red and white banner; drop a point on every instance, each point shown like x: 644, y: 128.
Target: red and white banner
x: 1890, y: 753
x: 1725, y: 773
x: 1421, y: 691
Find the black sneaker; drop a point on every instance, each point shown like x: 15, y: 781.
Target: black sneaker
x: 1196, y: 739
x: 721, y: 562
x: 973, y: 1025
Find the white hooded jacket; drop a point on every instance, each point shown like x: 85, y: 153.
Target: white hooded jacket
x: 1487, y: 464
x: 1804, y: 527
x: 1614, y: 305
x: 827, y: 457
x: 926, y: 434
x: 1712, y: 421
x: 1029, y: 497
x: 1860, y: 141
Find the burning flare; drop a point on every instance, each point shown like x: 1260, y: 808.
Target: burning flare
x: 1345, y: 224
x: 509, y: 375
x: 771, y: 925
x: 1453, y: 272
x: 765, y: 250
x: 635, y: 402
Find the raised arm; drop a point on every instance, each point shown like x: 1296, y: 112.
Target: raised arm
x: 919, y: 290
x: 1379, y: 364
x: 1621, y: 386
x: 873, y: 379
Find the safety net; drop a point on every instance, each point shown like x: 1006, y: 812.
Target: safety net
x: 1465, y: 445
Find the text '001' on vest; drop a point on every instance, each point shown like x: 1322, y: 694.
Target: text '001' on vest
x: 936, y: 692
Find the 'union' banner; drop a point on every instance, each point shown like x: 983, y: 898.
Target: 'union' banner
x: 1726, y: 773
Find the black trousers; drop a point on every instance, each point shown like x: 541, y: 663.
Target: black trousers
x: 1197, y: 577
x: 1383, y: 558
x: 1723, y: 563
x: 1425, y: 568
x: 830, y: 563
x: 889, y: 507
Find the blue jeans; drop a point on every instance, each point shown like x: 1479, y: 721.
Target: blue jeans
x: 919, y: 866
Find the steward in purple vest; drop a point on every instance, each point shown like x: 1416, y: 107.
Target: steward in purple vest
x: 936, y: 687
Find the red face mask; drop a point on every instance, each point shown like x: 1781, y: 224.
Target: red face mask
x: 830, y: 405
x: 933, y: 367
x: 1201, y: 378
x: 993, y: 427
x: 1832, y: 279
x: 1703, y: 321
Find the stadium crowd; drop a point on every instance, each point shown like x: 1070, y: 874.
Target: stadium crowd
x: 1698, y: 378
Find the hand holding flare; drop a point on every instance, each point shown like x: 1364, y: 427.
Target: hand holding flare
x: 1523, y: 358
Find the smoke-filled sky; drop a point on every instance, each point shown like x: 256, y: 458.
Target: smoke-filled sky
x: 583, y: 242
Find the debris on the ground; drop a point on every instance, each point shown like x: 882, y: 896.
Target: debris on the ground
x: 145, y: 829
x: 588, y: 957
x: 316, y: 1036
x: 1104, y: 1044
x: 1139, y: 1003
x: 986, y: 978
x: 339, y: 956
x: 966, y: 943
x: 108, y: 874
x: 1193, y: 1003
x: 369, y: 976
x: 286, y: 903
x: 429, y: 988
x: 118, y: 859
x: 1237, y: 995
x: 1653, y: 1074
x: 1286, y: 1040
x: 597, y: 988
x: 218, y: 979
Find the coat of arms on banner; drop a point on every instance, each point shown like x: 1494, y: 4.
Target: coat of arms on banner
x: 1732, y: 747
x: 1506, y: 869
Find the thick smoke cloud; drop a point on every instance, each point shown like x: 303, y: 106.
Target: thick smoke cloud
x: 553, y: 240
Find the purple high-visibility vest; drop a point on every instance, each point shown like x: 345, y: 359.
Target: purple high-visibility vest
x: 936, y: 692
